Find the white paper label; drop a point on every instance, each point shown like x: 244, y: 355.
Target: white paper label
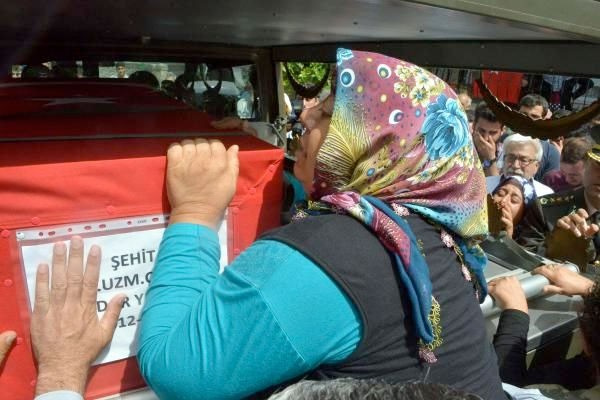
x: 127, y: 263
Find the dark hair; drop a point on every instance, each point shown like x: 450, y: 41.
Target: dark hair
x: 589, y: 322
x: 533, y: 100
x: 36, y: 71
x: 575, y: 150
x: 483, y: 111
x: 370, y: 389
x: 144, y: 77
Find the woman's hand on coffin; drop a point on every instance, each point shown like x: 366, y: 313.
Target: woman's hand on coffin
x: 66, y: 333
x: 577, y: 223
x: 564, y: 281
x: 201, y: 180
x: 234, y: 123
x: 508, y: 293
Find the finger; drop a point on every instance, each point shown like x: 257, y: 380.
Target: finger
x: 564, y: 224
x: 547, y: 271
x: 592, y: 230
x: 552, y: 289
x: 573, y: 227
x: 111, y: 316
x: 174, y: 153
x: 89, y: 292
x: 218, y: 152
x: 512, y: 279
x: 75, y: 270
x: 574, y: 224
x: 577, y: 219
x: 6, y: 341
x: 583, y: 226
x: 233, y: 159
x: 221, y: 123
x: 505, y: 220
x: 58, y: 288
x: 582, y: 213
x: 42, y: 293
x: 217, y: 124
x: 496, y: 281
x: 188, y: 148
x: 227, y: 123
x: 203, y: 150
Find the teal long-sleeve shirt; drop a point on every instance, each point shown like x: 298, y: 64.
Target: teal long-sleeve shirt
x: 273, y: 315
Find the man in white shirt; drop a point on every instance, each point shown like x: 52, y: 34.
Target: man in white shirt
x: 521, y: 156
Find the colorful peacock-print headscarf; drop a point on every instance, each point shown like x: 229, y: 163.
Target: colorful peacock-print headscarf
x: 399, y: 140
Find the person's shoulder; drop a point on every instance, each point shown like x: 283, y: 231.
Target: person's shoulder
x: 557, y: 205
x: 564, y: 199
x: 553, y: 175
x: 307, y: 226
x: 541, y: 189
x: 491, y: 182
x: 545, y: 144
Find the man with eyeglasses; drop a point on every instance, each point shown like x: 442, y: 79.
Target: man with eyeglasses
x: 576, y: 210
x: 522, y: 155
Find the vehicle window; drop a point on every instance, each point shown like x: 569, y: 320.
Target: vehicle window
x: 220, y: 91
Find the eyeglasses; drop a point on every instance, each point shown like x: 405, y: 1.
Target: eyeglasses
x: 524, y: 161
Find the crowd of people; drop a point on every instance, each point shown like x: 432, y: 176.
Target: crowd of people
x: 373, y: 290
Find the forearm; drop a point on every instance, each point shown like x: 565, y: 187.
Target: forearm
x: 71, y: 379
x: 492, y: 170
x: 510, y: 342
x: 187, y: 263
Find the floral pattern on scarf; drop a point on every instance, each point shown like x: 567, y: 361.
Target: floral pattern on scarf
x: 399, y: 139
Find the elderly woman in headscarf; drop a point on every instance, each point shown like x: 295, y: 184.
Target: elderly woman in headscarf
x: 512, y: 196
x: 379, y: 276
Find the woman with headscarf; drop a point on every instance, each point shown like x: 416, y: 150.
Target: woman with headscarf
x: 512, y: 196
x: 379, y: 276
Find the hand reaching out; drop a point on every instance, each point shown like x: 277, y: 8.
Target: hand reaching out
x: 564, y: 281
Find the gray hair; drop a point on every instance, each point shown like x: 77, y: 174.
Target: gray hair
x: 369, y: 389
x: 517, y: 138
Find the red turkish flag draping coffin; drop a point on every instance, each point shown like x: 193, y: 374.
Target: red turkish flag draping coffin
x: 100, y: 173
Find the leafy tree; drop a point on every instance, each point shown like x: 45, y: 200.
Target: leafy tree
x: 307, y: 74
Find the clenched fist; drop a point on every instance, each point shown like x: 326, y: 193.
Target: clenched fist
x: 201, y: 180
